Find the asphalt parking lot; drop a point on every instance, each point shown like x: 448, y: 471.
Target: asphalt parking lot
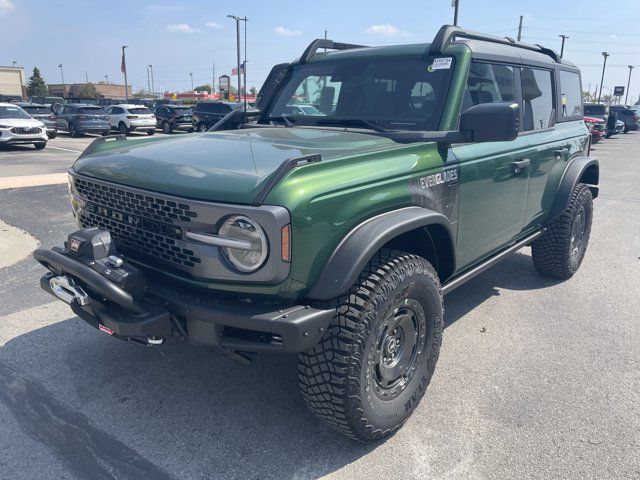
x: 536, y: 379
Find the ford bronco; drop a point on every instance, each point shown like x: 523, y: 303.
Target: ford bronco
x: 336, y: 234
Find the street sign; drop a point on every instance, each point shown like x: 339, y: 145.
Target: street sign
x: 618, y: 91
x: 224, y: 82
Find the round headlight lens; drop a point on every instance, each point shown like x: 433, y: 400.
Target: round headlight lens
x: 239, y: 227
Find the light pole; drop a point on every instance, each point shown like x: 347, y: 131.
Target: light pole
x: 564, y: 37
x: 153, y: 87
x: 123, y: 67
x: 148, y: 81
x: 244, y: 64
x: 62, y: 75
x: 604, y: 65
x: 626, y: 98
x: 237, y: 19
x: 191, y: 75
x: 106, y: 78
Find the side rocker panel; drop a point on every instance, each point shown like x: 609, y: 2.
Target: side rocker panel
x: 357, y: 248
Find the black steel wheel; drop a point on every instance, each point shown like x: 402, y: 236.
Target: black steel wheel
x: 373, y: 364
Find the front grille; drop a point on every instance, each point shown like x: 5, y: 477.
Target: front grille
x: 144, y: 223
x: 26, y: 130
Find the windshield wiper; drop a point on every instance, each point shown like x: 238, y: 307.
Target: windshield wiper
x: 285, y: 118
x: 370, y: 124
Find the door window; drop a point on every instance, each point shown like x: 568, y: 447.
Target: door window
x: 571, y: 94
x: 537, y: 99
x: 488, y: 83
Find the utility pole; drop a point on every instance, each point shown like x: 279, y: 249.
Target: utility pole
x: 520, y: 28
x: 153, y: 87
x: 454, y: 4
x: 86, y: 77
x: 604, y: 66
x: 564, y: 37
x: 626, y: 98
x: 62, y: 75
x: 123, y: 67
x: 237, y: 19
x: 191, y: 75
x: 106, y: 78
x: 148, y: 80
x: 244, y: 64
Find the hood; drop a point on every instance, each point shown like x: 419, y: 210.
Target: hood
x: 21, y: 122
x: 227, y: 166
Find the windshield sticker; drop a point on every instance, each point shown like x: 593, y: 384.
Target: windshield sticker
x: 440, y: 64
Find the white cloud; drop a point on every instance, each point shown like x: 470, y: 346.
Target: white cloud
x: 286, y: 32
x: 212, y: 25
x: 386, y: 30
x: 6, y: 7
x: 180, y: 27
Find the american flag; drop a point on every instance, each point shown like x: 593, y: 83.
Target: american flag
x: 234, y: 71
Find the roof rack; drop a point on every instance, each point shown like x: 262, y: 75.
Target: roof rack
x: 448, y: 33
x: 313, y: 47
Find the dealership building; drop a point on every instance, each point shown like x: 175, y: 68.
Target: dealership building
x: 12, y: 84
x: 106, y: 90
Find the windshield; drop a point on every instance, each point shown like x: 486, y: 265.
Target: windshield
x: 13, y: 112
x: 37, y: 110
x: 595, y: 110
x: 182, y: 111
x: 393, y: 94
x: 91, y: 110
x: 140, y: 111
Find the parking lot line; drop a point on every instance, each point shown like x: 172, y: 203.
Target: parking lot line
x: 33, y: 180
x: 65, y: 149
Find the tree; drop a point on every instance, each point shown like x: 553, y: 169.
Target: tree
x: 37, y: 85
x: 253, y: 90
x: 203, y: 88
x: 88, y: 90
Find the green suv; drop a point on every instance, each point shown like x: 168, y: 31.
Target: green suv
x: 336, y: 234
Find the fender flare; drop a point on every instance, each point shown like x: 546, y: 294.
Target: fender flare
x: 360, y: 245
x: 572, y: 175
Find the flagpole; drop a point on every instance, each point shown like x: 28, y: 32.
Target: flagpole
x: 123, y: 67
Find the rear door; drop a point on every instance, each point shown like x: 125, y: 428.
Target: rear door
x: 554, y: 137
x: 494, y: 176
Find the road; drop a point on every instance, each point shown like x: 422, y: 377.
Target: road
x: 536, y: 378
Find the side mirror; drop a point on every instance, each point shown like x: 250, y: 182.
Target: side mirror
x: 491, y: 122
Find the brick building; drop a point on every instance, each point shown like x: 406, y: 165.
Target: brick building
x: 72, y: 90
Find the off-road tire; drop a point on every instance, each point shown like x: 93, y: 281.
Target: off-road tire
x: 552, y: 252
x: 338, y: 377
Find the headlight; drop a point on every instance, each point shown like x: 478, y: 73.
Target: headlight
x: 250, y: 258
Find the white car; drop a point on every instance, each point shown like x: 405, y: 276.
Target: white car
x: 17, y: 127
x: 128, y: 118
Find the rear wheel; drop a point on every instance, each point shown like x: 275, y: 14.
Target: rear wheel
x: 561, y: 249
x: 201, y: 127
x: 372, y: 366
x: 40, y: 145
x: 73, y: 131
x: 166, y: 127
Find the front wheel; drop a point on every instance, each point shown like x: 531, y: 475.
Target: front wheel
x: 166, y: 127
x: 560, y: 250
x: 40, y: 145
x: 122, y: 129
x: 73, y: 131
x: 151, y: 132
x: 373, y: 364
x: 201, y: 127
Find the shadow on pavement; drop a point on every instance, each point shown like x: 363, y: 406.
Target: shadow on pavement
x: 185, y: 410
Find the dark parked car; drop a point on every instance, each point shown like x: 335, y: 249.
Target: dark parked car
x: 42, y: 113
x: 628, y: 116
x: 81, y: 118
x: 207, y: 114
x: 174, y: 117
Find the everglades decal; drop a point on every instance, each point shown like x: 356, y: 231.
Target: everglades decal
x: 437, y: 192
x: 439, y: 178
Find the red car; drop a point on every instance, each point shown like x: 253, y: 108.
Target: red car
x: 597, y: 128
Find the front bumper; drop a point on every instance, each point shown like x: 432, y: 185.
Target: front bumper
x: 148, y: 125
x: 7, y: 136
x: 171, y: 311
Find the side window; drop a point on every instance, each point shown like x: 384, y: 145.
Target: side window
x: 537, y: 98
x: 570, y: 94
x: 488, y: 83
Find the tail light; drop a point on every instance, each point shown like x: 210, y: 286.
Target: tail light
x: 132, y: 116
x: 52, y: 117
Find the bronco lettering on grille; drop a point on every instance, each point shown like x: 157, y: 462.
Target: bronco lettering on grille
x: 137, y: 222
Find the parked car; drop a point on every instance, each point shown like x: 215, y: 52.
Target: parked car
x: 296, y: 109
x: 80, y: 118
x: 207, y: 114
x: 46, y: 100
x: 42, y: 113
x: 337, y: 237
x: 620, y: 126
x: 628, y: 116
x: 596, y: 110
x: 18, y: 127
x: 174, y: 117
x: 597, y: 128
x: 127, y: 118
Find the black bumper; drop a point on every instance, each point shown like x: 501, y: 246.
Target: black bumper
x: 171, y: 311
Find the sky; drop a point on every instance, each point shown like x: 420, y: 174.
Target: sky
x: 182, y: 37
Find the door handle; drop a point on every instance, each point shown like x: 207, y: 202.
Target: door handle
x: 562, y: 152
x: 520, y: 165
